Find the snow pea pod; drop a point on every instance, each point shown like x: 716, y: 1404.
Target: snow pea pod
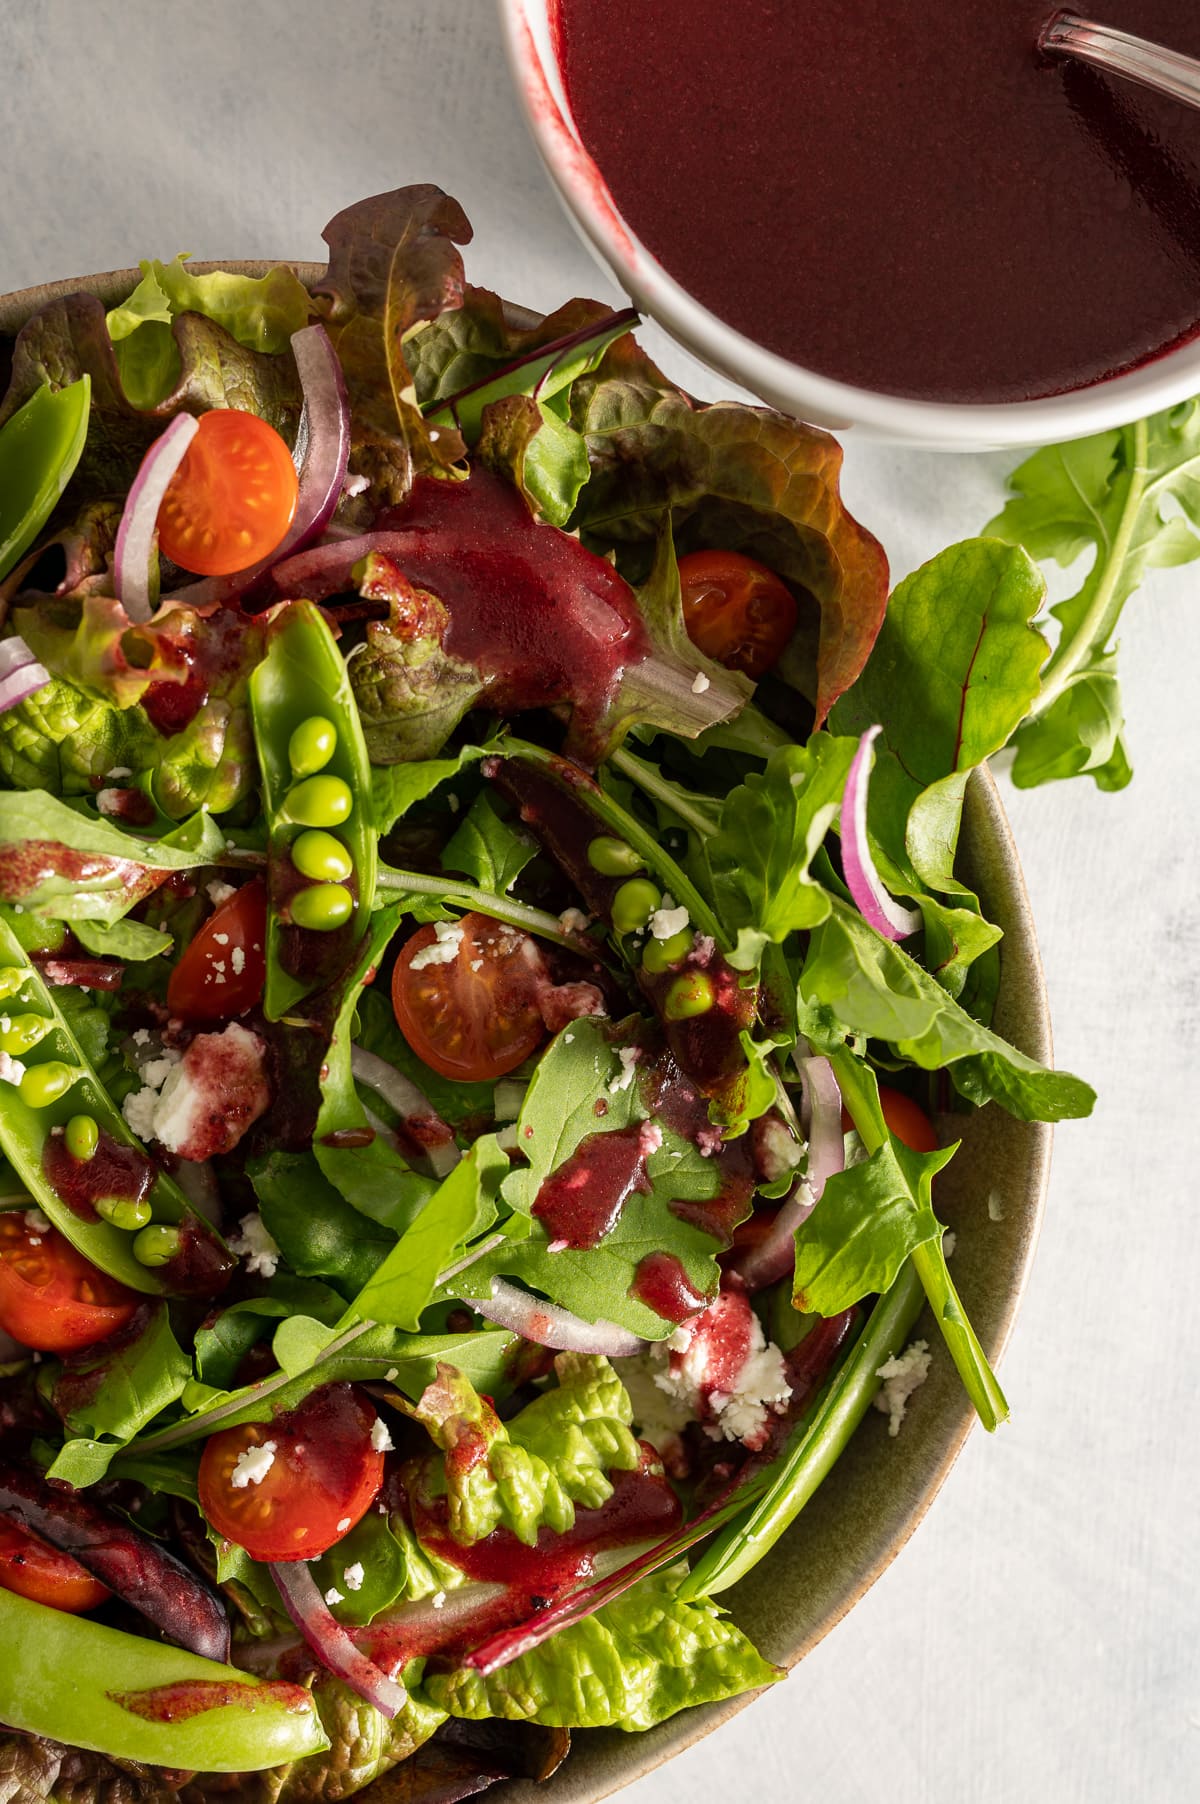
x: 316, y: 781
x: 77, y: 1681
x: 30, y: 1112
x: 39, y: 448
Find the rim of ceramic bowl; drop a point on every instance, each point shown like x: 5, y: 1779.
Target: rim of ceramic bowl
x: 1171, y: 377
x: 992, y: 1194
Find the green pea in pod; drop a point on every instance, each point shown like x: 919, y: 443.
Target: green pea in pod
x: 304, y: 712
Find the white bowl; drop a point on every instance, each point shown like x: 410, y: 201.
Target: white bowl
x: 529, y: 34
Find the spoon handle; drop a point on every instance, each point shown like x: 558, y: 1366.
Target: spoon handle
x: 1120, y: 53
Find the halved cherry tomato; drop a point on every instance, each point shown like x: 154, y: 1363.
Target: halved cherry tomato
x: 32, y: 1568
x: 232, y: 498
x: 473, y: 1015
x: 223, y: 970
x: 905, y: 1118
x: 320, y: 1479
x: 736, y: 610
x: 51, y: 1297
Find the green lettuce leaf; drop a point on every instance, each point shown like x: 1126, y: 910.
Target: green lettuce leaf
x: 1132, y: 496
x: 260, y: 312
x: 738, y: 477
x: 872, y: 1216
x: 631, y: 1665
x: 395, y: 788
x: 69, y: 337
x: 529, y: 1473
x: 867, y: 985
x: 111, y: 1392
x: 396, y: 1569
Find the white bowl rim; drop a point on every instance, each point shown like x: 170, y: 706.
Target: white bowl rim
x: 1162, y: 382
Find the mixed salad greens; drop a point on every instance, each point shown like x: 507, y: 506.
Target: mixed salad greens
x: 480, y: 951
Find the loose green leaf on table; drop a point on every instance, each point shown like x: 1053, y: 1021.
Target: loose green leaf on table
x: 1132, y: 496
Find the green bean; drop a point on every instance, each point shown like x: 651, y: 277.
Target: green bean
x: 94, y: 1687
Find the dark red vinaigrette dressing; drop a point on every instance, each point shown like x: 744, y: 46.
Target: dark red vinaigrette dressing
x: 901, y: 194
x: 582, y: 1201
x: 121, y: 1173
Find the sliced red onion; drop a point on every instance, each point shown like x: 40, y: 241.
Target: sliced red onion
x: 135, y: 547
x: 418, y: 1117
x: 774, y: 1256
x: 19, y: 684
x: 13, y: 654
x: 330, y: 1642
x: 550, y: 1326
x: 322, y: 452
x: 872, y: 900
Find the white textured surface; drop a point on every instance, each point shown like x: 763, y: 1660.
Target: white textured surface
x: 1038, y: 1638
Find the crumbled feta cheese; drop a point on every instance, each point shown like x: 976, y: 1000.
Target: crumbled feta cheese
x: 110, y: 801
x: 256, y: 1245
x: 699, y: 683
x: 36, y: 1222
x: 141, y: 1036
x: 11, y: 1070
x: 117, y: 772
x: 444, y: 949
x: 381, y: 1440
x: 353, y: 1576
x: 219, y: 892
x: 665, y: 923
x: 949, y: 1242
x: 392, y: 1373
x: 995, y: 1206
x: 252, y: 1465
x: 761, y: 1385
x: 573, y: 920
x: 438, y: 1600
x: 155, y: 1072
x: 237, y: 959
x: 629, y: 1056
x: 776, y: 1150
x: 558, y: 1246
x: 218, y: 1091
x: 649, y: 1138
x: 334, y: 1596
x: 343, y: 1525
x: 138, y: 1109
x: 797, y: 779
x: 220, y: 939
x: 902, y: 1375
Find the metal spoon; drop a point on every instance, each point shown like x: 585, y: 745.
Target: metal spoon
x: 1120, y: 53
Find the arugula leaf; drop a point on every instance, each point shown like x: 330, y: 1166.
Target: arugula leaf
x: 632, y: 1664
x: 374, y: 1178
x: 870, y: 986
x: 871, y: 1217
x: 579, y: 1067
x: 112, y: 1391
x: 80, y: 868
x: 742, y: 478
x: 491, y: 851
x: 222, y: 1343
x: 529, y: 1473
x: 395, y: 788
x: 462, y: 1207
x: 905, y: 1217
x: 318, y: 1232
x: 130, y: 940
x: 1133, y: 495
x: 771, y: 827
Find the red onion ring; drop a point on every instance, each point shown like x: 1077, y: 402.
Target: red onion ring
x: 330, y: 1642
x: 20, y: 673
x: 872, y: 900
x: 774, y: 1256
x: 322, y: 452
x: 418, y: 1116
x: 550, y: 1326
x: 136, y: 541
